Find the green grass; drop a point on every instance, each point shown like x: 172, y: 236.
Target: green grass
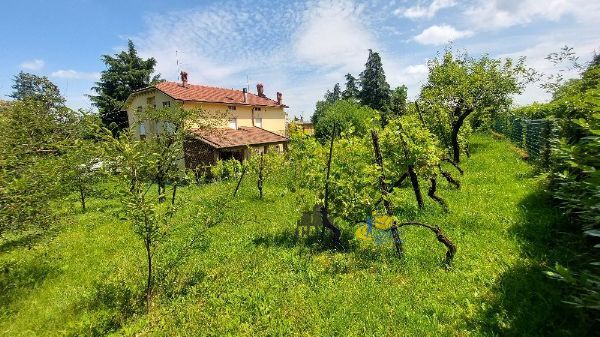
x: 249, y: 275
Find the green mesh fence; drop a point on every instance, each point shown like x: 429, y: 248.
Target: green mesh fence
x: 533, y: 135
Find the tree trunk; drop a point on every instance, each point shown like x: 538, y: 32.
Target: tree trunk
x: 382, y: 184
x: 148, y: 246
x: 161, y: 190
x: 401, y: 180
x: 456, y: 125
x: 82, y: 197
x: 174, y: 194
x: 456, y: 166
x: 384, y: 192
x: 440, y: 236
x: 237, y: 187
x: 420, y: 114
x: 449, y: 177
x: 325, y: 209
x: 149, y: 279
x: 432, y: 195
x: 260, y: 175
x: 415, y: 185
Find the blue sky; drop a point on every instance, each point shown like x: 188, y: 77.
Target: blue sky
x: 301, y: 48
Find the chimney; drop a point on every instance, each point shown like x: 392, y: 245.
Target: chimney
x: 183, y: 78
x: 279, y: 98
x: 260, y: 90
x: 245, y: 92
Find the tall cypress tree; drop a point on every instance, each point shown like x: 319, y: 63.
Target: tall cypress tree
x: 351, y: 90
x: 375, y: 91
x: 335, y: 95
x: 125, y: 72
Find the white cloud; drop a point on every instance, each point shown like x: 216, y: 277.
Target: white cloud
x: 35, y: 64
x: 418, y: 11
x: 584, y: 47
x: 332, y: 34
x: 496, y: 14
x: 75, y: 75
x: 308, y: 47
x: 436, y: 35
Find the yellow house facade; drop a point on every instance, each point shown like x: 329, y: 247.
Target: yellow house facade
x: 231, y: 112
x: 239, y: 120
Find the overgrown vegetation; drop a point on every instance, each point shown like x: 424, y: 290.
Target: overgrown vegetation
x: 573, y: 164
x: 224, y: 254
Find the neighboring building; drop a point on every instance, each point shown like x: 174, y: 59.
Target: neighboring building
x: 242, y: 120
x: 305, y: 127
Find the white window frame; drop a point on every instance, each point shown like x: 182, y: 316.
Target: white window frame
x: 258, y: 122
x: 233, y: 123
x: 142, y: 130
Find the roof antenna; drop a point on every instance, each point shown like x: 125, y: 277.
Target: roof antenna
x: 177, y: 61
x: 247, y: 83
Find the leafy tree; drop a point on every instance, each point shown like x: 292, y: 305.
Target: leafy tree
x: 410, y: 150
x: 351, y: 91
x: 84, y: 159
x: 329, y: 98
x: 349, y: 117
x: 375, y: 91
x: 165, y: 147
x: 459, y: 85
x: 397, y: 105
x: 156, y: 160
x: 125, y: 73
x: 34, y: 139
x: 37, y: 88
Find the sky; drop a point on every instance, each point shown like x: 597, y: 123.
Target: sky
x: 301, y: 48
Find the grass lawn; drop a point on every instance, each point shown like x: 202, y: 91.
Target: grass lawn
x: 249, y: 275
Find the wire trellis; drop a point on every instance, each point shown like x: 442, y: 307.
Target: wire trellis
x: 533, y: 135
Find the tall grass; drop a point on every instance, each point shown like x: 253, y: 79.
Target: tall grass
x: 250, y: 275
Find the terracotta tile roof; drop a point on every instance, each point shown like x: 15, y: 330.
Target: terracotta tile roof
x: 201, y: 93
x: 223, y: 138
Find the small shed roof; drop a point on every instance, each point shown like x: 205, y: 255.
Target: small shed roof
x: 223, y: 138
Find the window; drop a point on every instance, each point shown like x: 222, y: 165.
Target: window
x: 139, y: 109
x: 150, y: 101
x: 231, y: 107
x: 256, y: 109
x: 169, y: 128
x: 258, y: 122
x: 233, y: 123
x: 166, y: 104
x: 142, y: 130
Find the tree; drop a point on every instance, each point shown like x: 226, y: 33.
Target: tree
x: 329, y: 98
x: 459, y: 85
x: 375, y: 91
x: 84, y: 159
x: 34, y: 139
x: 37, y: 88
x: 351, y: 91
x: 397, y: 106
x: 156, y: 160
x: 348, y: 116
x: 125, y: 73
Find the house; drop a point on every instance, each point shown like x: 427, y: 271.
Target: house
x: 300, y: 125
x: 244, y: 122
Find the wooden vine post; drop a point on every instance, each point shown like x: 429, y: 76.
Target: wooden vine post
x: 384, y: 192
x: 325, y: 209
x: 237, y: 187
x: 261, y: 177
